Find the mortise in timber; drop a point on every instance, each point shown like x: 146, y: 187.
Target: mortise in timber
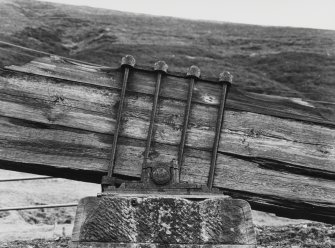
x: 58, y: 117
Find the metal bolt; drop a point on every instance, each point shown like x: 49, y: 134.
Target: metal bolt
x: 127, y: 62
x: 160, y: 67
x: 194, y: 73
x: 225, y: 79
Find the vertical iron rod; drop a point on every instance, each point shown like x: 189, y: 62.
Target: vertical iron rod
x: 118, y: 122
x: 226, y: 80
x: 160, y: 67
x: 153, y: 115
x: 193, y: 73
x: 127, y: 62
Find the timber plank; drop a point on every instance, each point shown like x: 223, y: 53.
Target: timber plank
x: 83, y: 147
x: 65, y: 103
x: 82, y: 152
x: 253, y: 144
x: 175, y: 87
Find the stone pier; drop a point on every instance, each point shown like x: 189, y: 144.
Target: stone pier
x: 136, y: 220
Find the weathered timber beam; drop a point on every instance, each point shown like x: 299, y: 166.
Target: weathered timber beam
x: 50, y: 101
x: 29, y: 145
x: 175, y: 87
x: 62, y: 127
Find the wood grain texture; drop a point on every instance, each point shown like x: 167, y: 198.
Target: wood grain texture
x: 164, y: 220
x: 68, y: 104
x: 56, y: 126
x: 175, y: 87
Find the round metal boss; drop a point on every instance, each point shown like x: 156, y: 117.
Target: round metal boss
x: 226, y: 76
x: 161, y: 174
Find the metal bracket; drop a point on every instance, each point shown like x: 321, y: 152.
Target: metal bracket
x: 159, y: 176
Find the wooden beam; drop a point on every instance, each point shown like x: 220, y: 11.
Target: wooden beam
x: 277, y: 154
x: 174, y: 87
x: 51, y: 101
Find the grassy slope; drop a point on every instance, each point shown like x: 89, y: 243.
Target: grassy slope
x: 281, y: 61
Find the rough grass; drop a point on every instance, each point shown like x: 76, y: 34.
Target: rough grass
x: 292, y: 62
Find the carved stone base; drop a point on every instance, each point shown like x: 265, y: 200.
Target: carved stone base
x: 135, y: 220
x: 152, y: 245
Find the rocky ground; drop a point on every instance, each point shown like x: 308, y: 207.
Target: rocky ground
x: 301, y: 235
x: 312, y: 235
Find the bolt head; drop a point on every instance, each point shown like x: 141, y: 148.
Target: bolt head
x: 161, y: 174
x: 161, y: 66
x: 128, y: 60
x: 193, y: 71
x: 226, y: 76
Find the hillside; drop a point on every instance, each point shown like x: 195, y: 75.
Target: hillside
x: 291, y: 62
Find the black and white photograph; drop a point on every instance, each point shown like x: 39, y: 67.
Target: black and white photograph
x: 167, y: 124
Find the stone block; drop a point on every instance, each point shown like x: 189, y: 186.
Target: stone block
x: 136, y: 220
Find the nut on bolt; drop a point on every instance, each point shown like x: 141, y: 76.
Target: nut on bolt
x: 128, y: 60
x: 193, y: 71
x: 161, y: 66
x: 226, y: 76
x: 161, y: 174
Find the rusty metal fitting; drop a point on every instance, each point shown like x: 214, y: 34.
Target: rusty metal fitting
x: 161, y: 174
x: 161, y: 66
x: 193, y: 71
x: 226, y: 77
x: 128, y: 60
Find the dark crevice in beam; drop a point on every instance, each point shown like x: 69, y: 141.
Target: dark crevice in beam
x: 275, y: 165
x: 294, y: 169
x: 40, y: 125
x: 287, y: 207
x: 61, y: 172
